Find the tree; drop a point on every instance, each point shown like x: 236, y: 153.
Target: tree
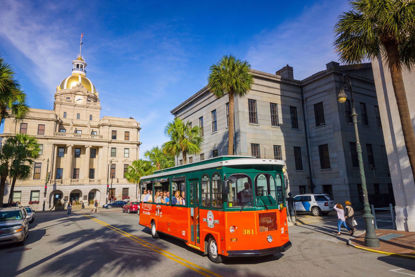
x: 138, y: 169
x: 184, y: 139
x: 232, y: 77
x: 24, y: 150
x: 383, y: 28
x: 12, y: 99
x: 159, y: 159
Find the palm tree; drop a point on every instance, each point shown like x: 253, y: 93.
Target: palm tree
x: 232, y: 77
x: 184, y: 139
x: 12, y: 99
x: 6, y: 153
x: 138, y: 169
x: 159, y: 159
x: 25, y: 149
x: 383, y: 28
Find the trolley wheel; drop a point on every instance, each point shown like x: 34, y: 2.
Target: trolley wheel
x: 315, y: 211
x: 154, y: 230
x: 212, y: 250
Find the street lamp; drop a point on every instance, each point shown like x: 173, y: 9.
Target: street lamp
x: 370, y: 238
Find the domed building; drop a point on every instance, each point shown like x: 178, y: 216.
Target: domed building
x: 83, y: 156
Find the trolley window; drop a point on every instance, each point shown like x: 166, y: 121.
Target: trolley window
x: 205, y: 191
x: 178, y: 192
x: 162, y: 191
x: 240, y: 190
x: 217, y: 184
x: 265, y: 190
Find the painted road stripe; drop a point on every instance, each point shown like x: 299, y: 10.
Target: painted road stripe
x: 201, y: 270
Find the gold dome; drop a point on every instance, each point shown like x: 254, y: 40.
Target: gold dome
x: 74, y: 80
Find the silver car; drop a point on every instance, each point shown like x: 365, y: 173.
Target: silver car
x: 30, y: 214
x: 14, y: 225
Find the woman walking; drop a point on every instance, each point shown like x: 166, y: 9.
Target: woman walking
x: 340, y: 218
x: 350, y: 217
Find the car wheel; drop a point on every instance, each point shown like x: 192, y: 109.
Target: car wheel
x: 315, y: 211
x: 212, y: 250
x: 154, y: 230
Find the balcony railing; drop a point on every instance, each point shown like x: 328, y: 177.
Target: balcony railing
x: 70, y: 135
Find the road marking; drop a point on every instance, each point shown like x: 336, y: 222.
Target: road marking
x: 201, y: 270
x: 398, y: 270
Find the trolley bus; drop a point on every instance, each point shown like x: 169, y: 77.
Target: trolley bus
x: 229, y: 206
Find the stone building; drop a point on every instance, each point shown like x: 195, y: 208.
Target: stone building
x: 401, y: 173
x: 83, y: 156
x: 300, y: 122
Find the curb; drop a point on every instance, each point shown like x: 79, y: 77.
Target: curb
x: 380, y: 252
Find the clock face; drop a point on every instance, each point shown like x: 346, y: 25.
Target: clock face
x: 79, y: 99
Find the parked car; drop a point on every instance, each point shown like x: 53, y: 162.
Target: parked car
x: 116, y: 204
x: 14, y: 225
x: 30, y: 214
x: 316, y: 204
x: 131, y: 207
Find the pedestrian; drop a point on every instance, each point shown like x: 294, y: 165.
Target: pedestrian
x: 340, y: 218
x: 69, y: 208
x: 96, y: 206
x: 290, y: 202
x: 349, y: 215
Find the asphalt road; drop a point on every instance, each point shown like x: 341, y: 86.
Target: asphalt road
x: 111, y: 243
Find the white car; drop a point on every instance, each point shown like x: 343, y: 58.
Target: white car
x: 316, y: 204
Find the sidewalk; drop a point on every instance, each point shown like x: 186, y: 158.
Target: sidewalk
x: 392, y: 242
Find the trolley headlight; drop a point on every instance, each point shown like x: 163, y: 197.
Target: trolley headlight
x: 269, y: 238
x: 232, y: 229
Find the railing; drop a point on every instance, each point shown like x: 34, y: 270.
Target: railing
x: 388, y: 217
x: 62, y: 134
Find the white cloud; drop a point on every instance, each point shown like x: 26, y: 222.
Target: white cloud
x: 304, y: 42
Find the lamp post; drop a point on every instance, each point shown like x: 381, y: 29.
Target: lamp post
x: 370, y: 238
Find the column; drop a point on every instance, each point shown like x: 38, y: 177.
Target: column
x: 85, y: 162
x: 67, y: 171
x: 53, y: 162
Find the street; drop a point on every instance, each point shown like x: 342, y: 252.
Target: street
x: 111, y: 243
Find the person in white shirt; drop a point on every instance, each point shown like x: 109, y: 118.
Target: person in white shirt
x: 340, y: 218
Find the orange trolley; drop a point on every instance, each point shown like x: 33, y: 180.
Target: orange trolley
x: 229, y: 206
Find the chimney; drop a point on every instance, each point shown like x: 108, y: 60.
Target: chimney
x: 287, y: 72
x: 332, y: 65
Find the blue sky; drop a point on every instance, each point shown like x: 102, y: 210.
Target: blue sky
x: 146, y: 57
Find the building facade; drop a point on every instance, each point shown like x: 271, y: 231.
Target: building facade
x: 301, y: 122
x: 401, y: 173
x: 83, y: 156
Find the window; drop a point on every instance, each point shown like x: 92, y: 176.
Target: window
x: 205, y: 194
x: 93, y: 153
x: 59, y: 173
x: 112, y: 172
x: 214, y: 122
x: 215, y: 153
x: 125, y: 194
x: 77, y: 152
x: 298, y: 158
x: 274, y: 114
x: 353, y: 153
x: 126, y: 135
x: 126, y: 152
x: 319, y: 114
x: 35, y: 196
x: 17, y: 196
x: 37, y: 169
x: 323, y: 151
x: 265, y: 186
x: 190, y: 124
x: 363, y: 111
x: 255, y: 151
x: 113, y: 134
x: 77, y: 131
x: 64, y: 114
x: 61, y: 152
x: 90, y: 117
x: 190, y: 159
x: 277, y: 152
x: 126, y: 169
x: 202, y: 156
x: 240, y: 191
x: 40, y: 149
x: 75, y: 174
x: 303, y: 189
x: 78, y: 116
x: 91, y: 173
x: 41, y: 129
x: 201, y: 126
x: 227, y: 114
x: 294, y: 117
x: 377, y: 114
x: 348, y: 112
x: 178, y: 189
x: 93, y: 133
x: 113, y: 152
x: 217, y: 185
x: 328, y: 189
x: 370, y: 155
x: 253, y: 117
x: 23, y: 128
